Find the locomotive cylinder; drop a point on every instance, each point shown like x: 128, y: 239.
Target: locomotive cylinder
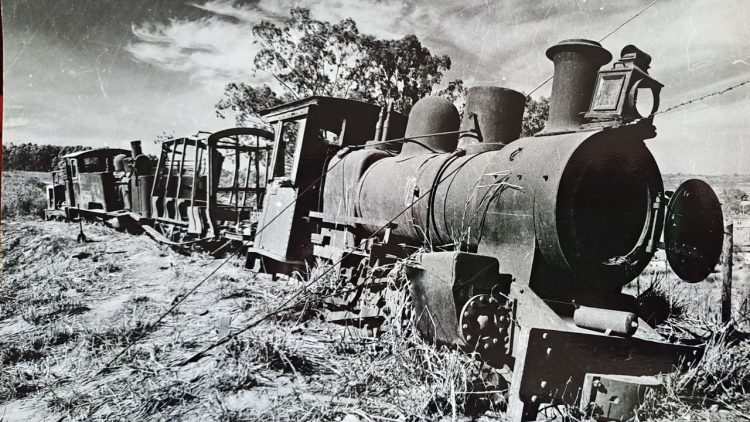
x: 576, y: 65
x: 494, y: 114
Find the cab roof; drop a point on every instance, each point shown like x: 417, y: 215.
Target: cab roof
x: 98, y: 152
x: 341, y: 106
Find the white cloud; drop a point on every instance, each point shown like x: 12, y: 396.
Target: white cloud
x: 216, y: 50
x: 15, y: 122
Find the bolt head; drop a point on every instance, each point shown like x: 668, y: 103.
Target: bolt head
x: 468, y: 338
x: 465, y: 326
x: 495, y: 341
x: 549, y: 351
x: 545, y: 335
x: 534, y: 399
x: 486, y: 346
x: 466, y: 314
x: 543, y: 384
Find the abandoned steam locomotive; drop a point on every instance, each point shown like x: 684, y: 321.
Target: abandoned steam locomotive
x: 526, y: 243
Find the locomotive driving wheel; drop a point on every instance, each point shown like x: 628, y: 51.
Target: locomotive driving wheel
x: 485, y: 326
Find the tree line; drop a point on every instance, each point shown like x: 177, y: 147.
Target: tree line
x: 307, y: 57
x: 35, y: 157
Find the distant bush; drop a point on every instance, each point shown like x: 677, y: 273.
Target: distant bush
x: 34, y: 157
x: 23, y: 195
x: 732, y: 198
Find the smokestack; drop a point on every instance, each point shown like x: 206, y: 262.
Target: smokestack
x: 576, y: 65
x: 135, y: 146
x: 495, y: 113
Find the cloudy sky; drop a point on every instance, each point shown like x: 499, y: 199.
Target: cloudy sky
x: 108, y: 71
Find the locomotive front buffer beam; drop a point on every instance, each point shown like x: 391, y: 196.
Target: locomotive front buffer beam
x: 460, y: 300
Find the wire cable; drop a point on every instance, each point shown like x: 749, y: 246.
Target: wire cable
x: 600, y: 40
x: 285, y: 305
x: 695, y: 100
x: 200, y: 283
x: 153, y: 325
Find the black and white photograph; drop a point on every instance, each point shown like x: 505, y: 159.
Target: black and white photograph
x: 375, y: 210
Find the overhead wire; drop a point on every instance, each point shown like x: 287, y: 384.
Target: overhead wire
x: 544, y: 82
x: 701, y: 98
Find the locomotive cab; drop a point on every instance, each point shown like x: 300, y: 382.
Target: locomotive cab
x: 307, y: 134
x: 90, y: 182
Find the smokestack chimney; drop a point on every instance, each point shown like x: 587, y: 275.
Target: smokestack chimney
x: 576, y: 65
x: 135, y: 146
x: 495, y: 113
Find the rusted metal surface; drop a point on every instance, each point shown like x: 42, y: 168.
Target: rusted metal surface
x: 694, y: 230
x: 615, y: 99
x: 442, y: 284
x: 615, y: 397
x: 321, y: 123
x: 608, y: 321
x: 494, y: 114
x: 486, y: 327
x: 431, y: 115
x: 524, y: 244
x: 555, y: 363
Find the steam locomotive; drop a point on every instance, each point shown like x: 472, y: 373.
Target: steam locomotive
x: 525, y: 243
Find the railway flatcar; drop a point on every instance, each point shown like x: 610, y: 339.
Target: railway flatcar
x: 198, y: 190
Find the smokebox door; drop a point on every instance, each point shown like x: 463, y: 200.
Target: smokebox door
x: 693, y: 230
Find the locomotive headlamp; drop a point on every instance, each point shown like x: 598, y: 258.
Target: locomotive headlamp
x: 626, y: 92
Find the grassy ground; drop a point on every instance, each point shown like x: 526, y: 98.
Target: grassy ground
x: 67, y: 309
x: 24, y: 193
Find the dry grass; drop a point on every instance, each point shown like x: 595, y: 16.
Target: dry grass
x: 70, y: 308
x: 716, y: 387
x: 67, y: 309
x: 24, y: 194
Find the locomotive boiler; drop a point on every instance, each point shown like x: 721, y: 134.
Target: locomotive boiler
x: 526, y: 243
